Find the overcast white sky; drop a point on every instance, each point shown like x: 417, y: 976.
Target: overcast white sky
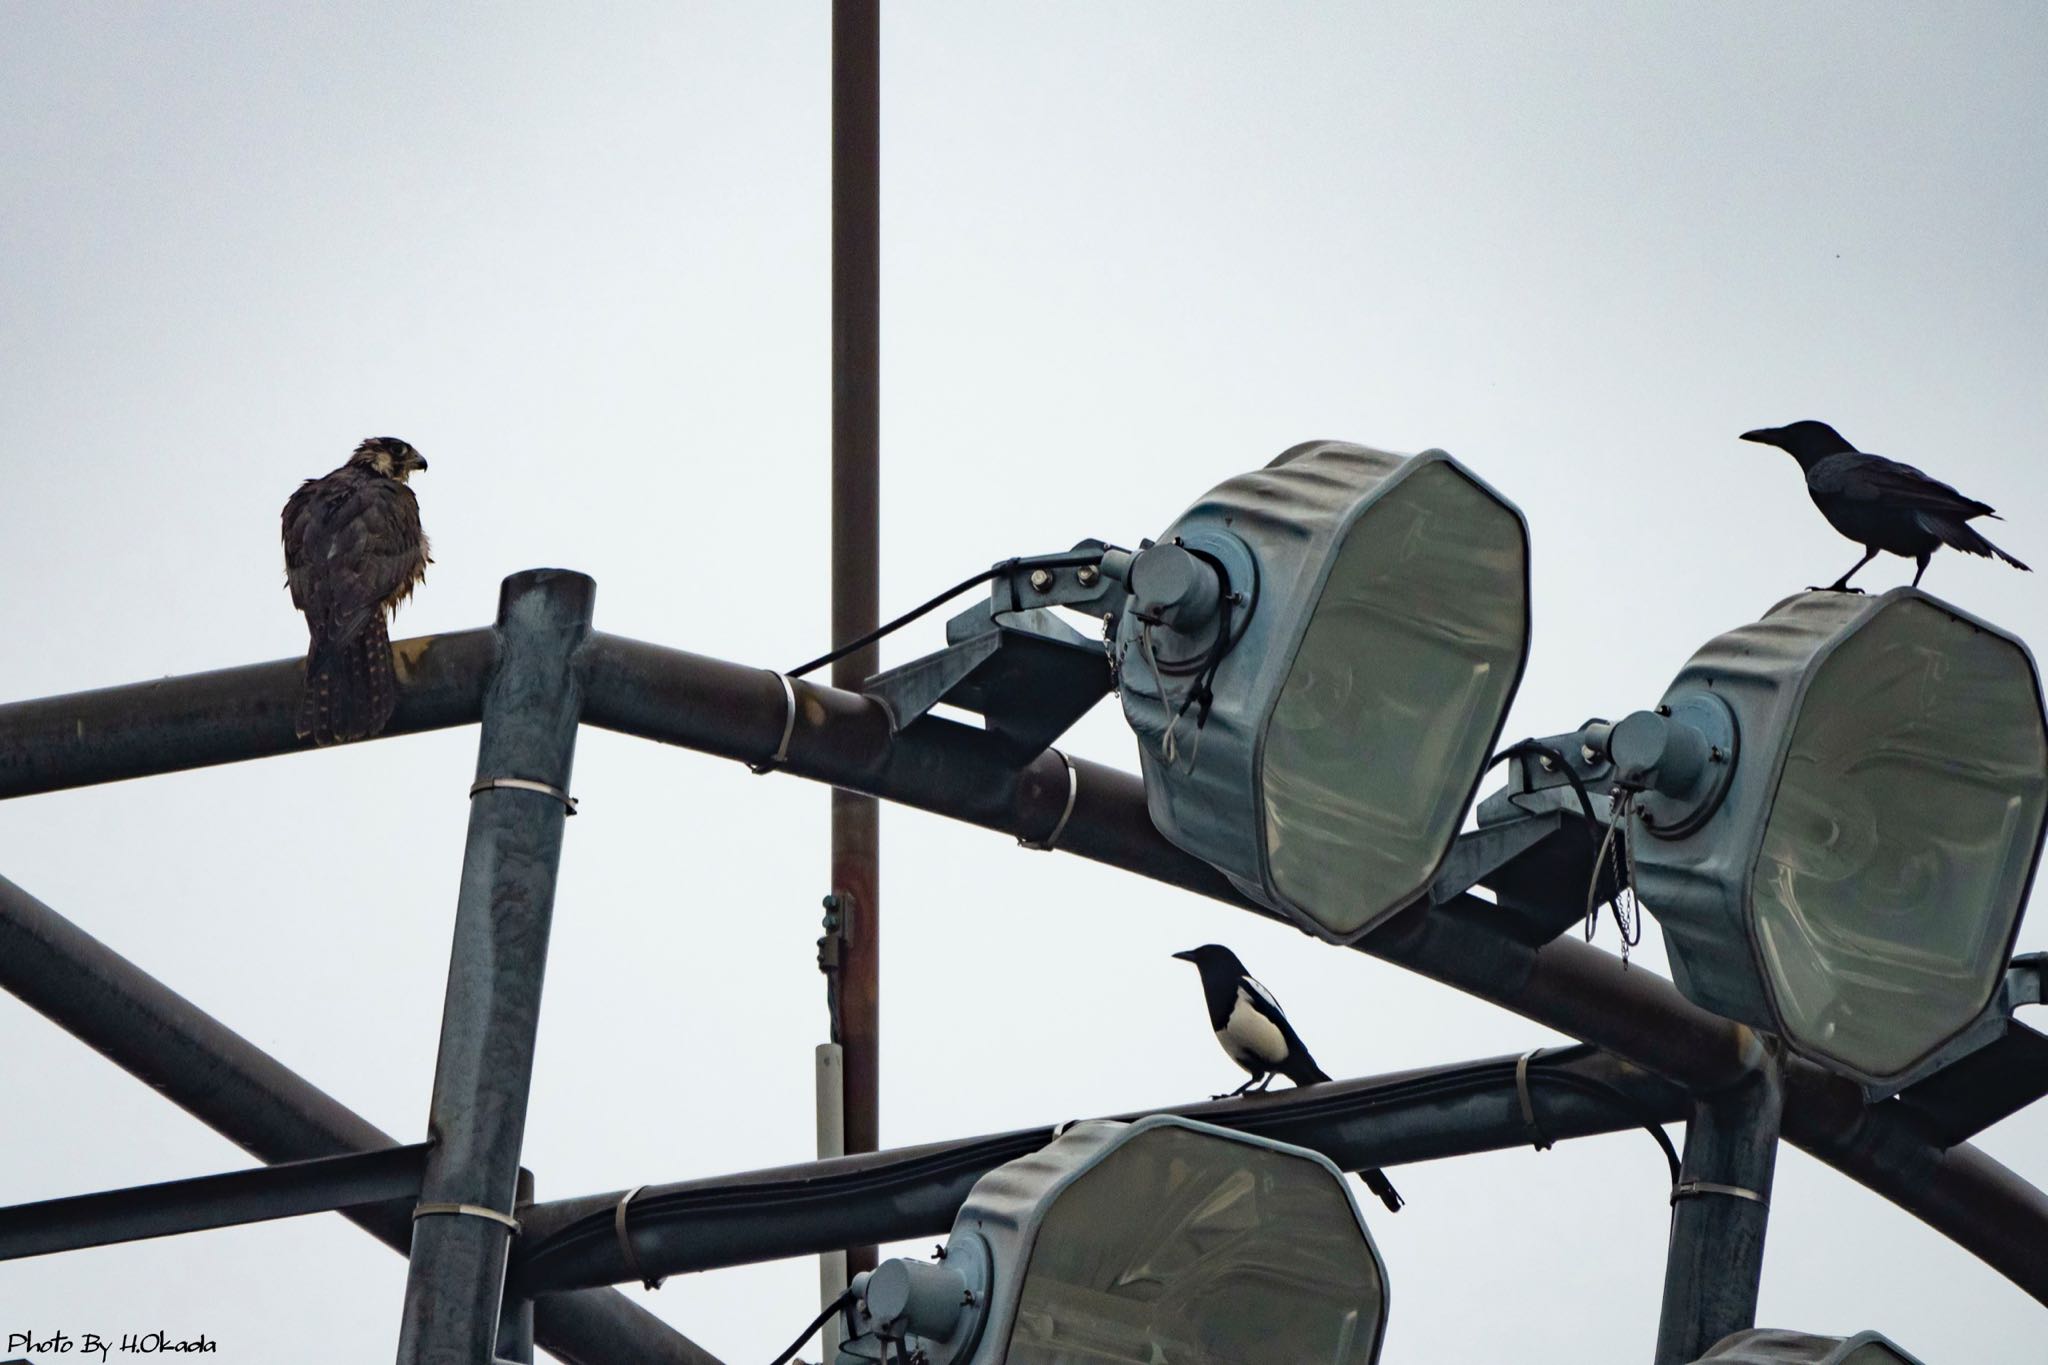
x: 579, y: 256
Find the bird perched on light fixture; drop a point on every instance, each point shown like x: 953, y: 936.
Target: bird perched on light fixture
x: 1878, y: 503
x: 353, y: 550
x: 1255, y: 1034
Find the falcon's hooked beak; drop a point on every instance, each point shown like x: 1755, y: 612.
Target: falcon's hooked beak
x: 418, y: 461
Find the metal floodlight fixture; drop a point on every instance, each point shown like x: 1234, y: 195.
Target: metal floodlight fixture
x: 1837, y: 814
x: 1163, y: 1239
x: 1317, y: 659
x: 1769, y: 1346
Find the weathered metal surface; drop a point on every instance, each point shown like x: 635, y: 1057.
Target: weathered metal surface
x: 1719, y: 1213
x: 915, y: 1191
x: 226, y: 716
x: 844, y: 739
x: 261, y: 1105
x: 856, y: 535
x: 287, y: 1190
x: 491, y: 1016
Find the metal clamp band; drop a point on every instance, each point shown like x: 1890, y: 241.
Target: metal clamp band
x: 466, y: 1211
x: 781, y: 755
x: 626, y: 1243
x: 1051, y: 841
x: 523, y: 784
x: 1693, y: 1189
x: 1537, y: 1137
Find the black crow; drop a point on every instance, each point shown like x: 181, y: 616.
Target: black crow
x: 1878, y: 503
x: 1255, y: 1033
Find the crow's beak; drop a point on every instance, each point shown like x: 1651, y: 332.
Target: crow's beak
x: 1763, y: 436
x: 1188, y: 956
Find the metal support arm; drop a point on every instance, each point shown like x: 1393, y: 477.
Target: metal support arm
x: 915, y: 1191
x: 463, y: 1227
x: 1719, y: 1211
x: 261, y: 1105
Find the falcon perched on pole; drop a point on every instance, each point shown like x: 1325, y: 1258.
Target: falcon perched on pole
x: 353, y: 550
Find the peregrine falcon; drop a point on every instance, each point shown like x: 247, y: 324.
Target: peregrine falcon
x: 353, y: 550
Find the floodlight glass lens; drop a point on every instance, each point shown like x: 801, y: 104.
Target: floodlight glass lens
x: 1393, y: 698
x: 1198, y: 1250
x: 1901, y: 838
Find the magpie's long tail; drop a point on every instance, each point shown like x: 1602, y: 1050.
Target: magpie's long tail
x: 1962, y: 536
x: 351, y: 688
x: 1377, y: 1182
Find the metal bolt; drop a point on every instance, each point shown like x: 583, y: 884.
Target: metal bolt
x: 967, y: 1298
x: 1088, y: 574
x: 1663, y: 710
x: 1041, y: 580
x: 1714, y: 755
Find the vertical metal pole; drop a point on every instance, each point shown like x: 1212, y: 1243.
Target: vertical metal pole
x: 856, y: 432
x: 492, y: 1010
x: 832, y: 1275
x: 1718, y: 1215
x: 515, y: 1316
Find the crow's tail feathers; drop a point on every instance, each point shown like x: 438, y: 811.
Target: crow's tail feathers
x: 1377, y: 1182
x: 1960, y: 535
x: 351, y: 688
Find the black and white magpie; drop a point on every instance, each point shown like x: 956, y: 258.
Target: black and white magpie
x: 1254, y: 1031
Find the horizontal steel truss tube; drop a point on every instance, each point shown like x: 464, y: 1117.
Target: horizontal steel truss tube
x: 249, y: 1097
x: 843, y: 739
x: 915, y: 1191
x: 226, y: 716
x: 286, y: 1190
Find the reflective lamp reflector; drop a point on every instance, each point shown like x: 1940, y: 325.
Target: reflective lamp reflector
x: 1373, y: 620
x: 1165, y: 1240
x: 1393, y: 697
x: 1901, y: 837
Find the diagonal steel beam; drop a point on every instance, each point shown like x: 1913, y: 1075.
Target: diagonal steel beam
x: 255, y: 1101
x: 915, y: 1191
x: 844, y: 739
x: 286, y: 1190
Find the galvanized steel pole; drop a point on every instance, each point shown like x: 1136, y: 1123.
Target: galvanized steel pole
x: 856, y: 538
x: 518, y: 805
x: 1719, y: 1212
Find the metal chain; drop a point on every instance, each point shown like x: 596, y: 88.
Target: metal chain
x: 1627, y: 907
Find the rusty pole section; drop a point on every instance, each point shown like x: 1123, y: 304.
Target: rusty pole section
x: 856, y: 540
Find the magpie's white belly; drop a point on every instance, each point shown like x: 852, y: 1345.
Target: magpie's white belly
x: 1252, y: 1040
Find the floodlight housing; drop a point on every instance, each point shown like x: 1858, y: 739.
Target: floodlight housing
x: 1769, y: 1346
x: 1841, y: 808
x: 1317, y: 659
x: 1163, y: 1239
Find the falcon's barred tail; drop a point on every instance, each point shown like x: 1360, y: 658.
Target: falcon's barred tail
x: 1962, y: 536
x: 351, y: 687
x: 1377, y: 1182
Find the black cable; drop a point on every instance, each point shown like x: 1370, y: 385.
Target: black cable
x: 845, y: 1298
x: 948, y: 595
x: 1622, y: 1102
x: 1541, y: 750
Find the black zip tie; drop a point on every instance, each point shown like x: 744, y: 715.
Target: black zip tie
x: 522, y: 784
x: 626, y: 1243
